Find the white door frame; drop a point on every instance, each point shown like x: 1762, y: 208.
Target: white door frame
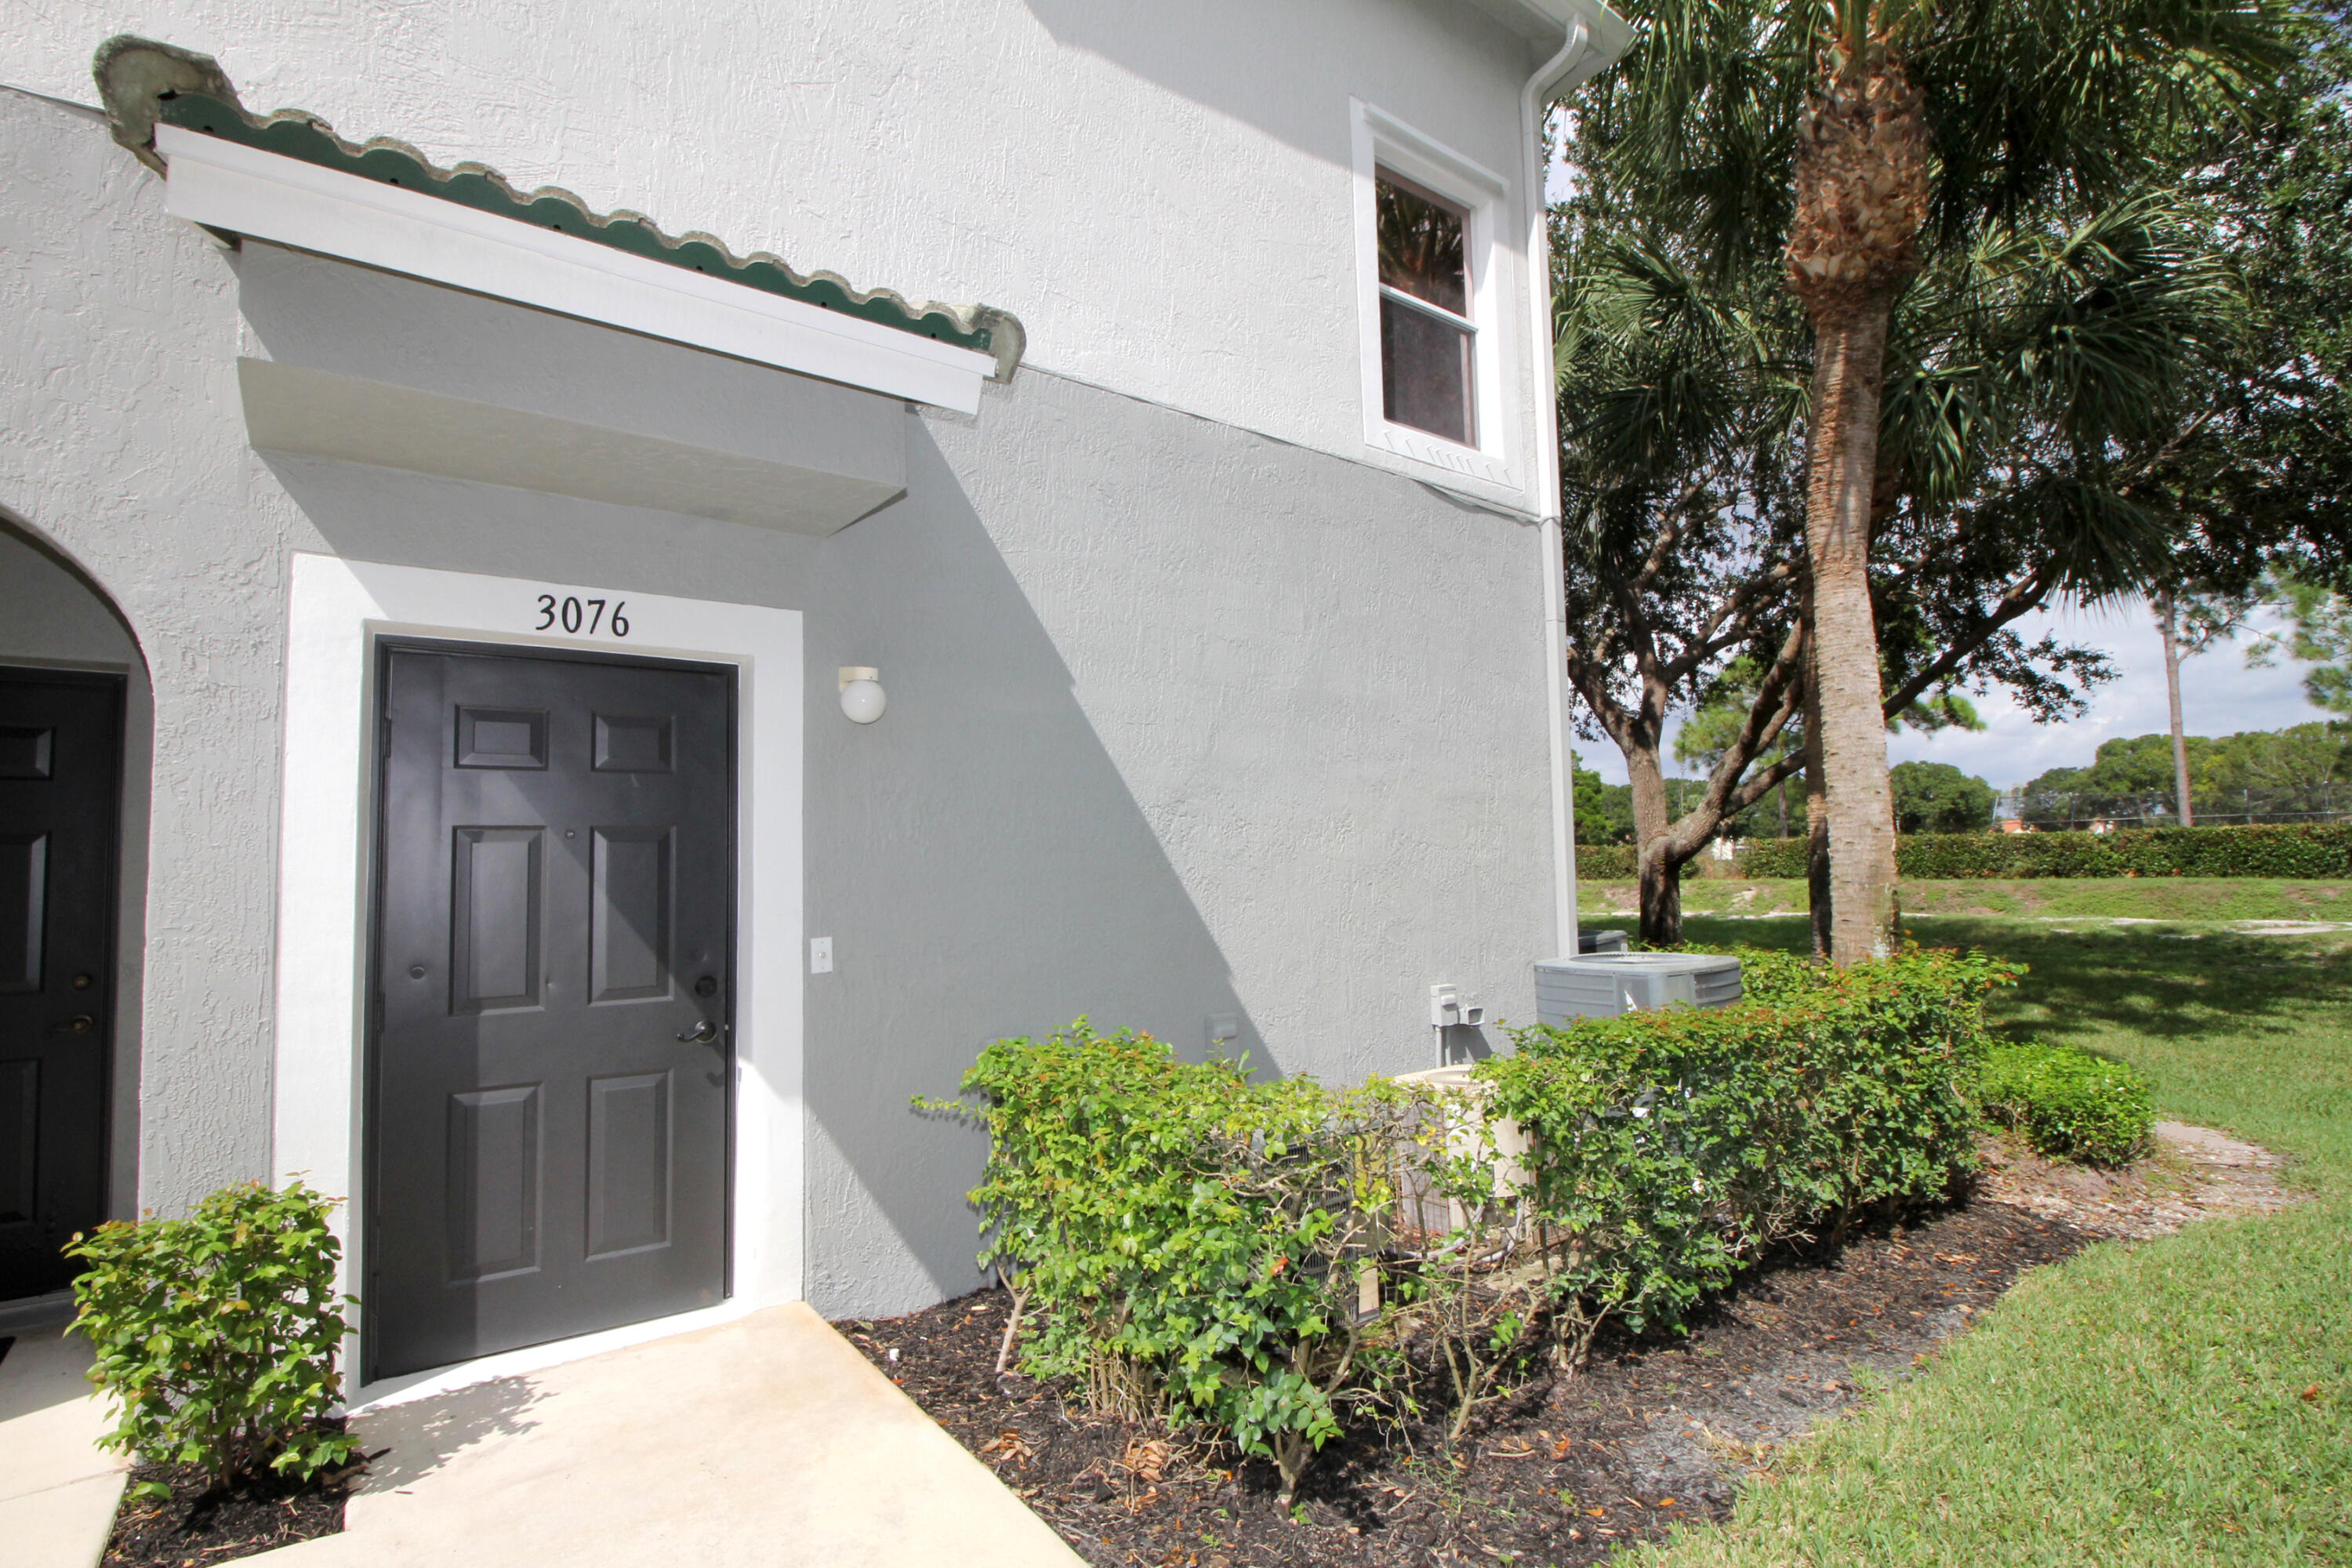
x: 338, y: 609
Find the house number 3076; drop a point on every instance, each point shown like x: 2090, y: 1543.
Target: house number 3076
x: 581, y: 617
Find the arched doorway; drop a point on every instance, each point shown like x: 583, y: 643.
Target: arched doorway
x: 76, y: 737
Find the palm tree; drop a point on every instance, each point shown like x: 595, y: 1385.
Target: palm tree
x: 1875, y: 134
x: 2020, y: 375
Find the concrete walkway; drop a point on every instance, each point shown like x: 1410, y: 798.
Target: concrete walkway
x: 57, y: 1490
x: 768, y: 1441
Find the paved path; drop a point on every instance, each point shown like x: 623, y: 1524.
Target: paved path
x: 765, y: 1441
x: 57, y: 1491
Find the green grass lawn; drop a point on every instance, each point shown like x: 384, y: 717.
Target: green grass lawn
x: 2184, y: 1401
x: 2079, y: 897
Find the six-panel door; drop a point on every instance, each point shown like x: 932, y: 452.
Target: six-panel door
x: 60, y: 745
x: 552, y: 1067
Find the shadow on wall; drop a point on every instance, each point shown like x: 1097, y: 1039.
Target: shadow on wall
x: 1188, y: 50
x: 977, y: 857
x: 984, y: 871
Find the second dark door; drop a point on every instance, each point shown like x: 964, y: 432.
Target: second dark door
x: 61, y: 777
x: 552, y: 1062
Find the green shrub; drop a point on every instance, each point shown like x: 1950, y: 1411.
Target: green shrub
x: 2308, y: 849
x: 217, y: 1334
x: 1183, y: 1241
x: 2069, y: 1103
x: 1179, y: 1231
x: 1783, y: 857
x: 1673, y: 1147
x: 1614, y: 863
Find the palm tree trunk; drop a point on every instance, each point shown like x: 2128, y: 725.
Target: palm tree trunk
x: 1848, y: 365
x: 2166, y: 616
x: 1817, y: 800
x: 1861, y: 183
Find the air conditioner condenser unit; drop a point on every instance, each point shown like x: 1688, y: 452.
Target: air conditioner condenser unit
x: 1608, y: 983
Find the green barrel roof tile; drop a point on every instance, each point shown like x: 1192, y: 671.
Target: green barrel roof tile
x: 143, y: 82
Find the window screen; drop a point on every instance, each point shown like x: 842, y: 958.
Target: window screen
x: 1426, y: 335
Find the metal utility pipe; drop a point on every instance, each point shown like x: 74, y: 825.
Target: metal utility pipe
x: 1563, y: 71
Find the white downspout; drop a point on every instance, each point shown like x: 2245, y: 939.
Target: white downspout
x: 1534, y: 99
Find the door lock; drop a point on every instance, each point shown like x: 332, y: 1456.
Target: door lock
x: 79, y: 1024
x: 702, y: 1033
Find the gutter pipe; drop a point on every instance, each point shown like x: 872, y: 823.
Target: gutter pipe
x: 1576, y: 60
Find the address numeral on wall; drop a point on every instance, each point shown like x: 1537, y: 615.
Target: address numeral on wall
x: 583, y: 617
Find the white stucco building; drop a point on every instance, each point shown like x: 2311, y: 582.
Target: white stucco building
x: 446, y: 605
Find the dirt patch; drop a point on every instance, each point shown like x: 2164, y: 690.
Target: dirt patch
x: 1651, y: 1434
x: 198, y: 1525
x: 2193, y: 1173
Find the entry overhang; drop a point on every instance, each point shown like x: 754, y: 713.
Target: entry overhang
x: 308, y: 413
x: 242, y: 190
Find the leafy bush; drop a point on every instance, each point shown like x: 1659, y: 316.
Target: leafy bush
x: 1673, y: 1147
x: 2069, y: 1103
x: 1179, y: 1231
x: 1616, y: 863
x: 2309, y: 850
x: 217, y: 1334
x: 1181, y: 1240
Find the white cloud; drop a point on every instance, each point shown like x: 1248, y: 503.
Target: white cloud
x: 2218, y: 696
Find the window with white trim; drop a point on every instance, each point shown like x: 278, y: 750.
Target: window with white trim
x: 1429, y: 344
x: 1428, y: 300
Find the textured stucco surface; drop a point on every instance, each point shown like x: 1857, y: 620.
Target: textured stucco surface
x: 1184, y: 720
x: 50, y: 617
x: 119, y: 443
x: 1161, y: 193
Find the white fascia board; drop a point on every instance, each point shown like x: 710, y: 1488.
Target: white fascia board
x: 243, y: 190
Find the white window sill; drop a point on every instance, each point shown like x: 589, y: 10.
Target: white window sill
x: 1436, y: 451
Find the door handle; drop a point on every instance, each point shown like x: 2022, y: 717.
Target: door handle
x: 79, y: 1024
x: 702, y: 1033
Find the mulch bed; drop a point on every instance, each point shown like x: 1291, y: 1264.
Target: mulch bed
x: 1650, y: 1434
x: 197, y: 1527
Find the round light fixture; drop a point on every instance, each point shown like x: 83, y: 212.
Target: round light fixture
x: 862, y: 696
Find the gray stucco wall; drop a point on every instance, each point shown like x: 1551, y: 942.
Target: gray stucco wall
x: 50, y: 617
x: 1183, y: 720
x: 118, y: 411
x: 1006, y: 151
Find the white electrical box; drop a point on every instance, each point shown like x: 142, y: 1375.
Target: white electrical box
x: 820, y: 955
x: 1448, y: 1009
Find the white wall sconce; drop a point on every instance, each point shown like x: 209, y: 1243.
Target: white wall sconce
x: 862, y: 698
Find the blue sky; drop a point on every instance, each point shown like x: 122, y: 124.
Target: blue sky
x: 2220, y: 696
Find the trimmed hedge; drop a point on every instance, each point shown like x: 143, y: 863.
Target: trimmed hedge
x: 1173, y: 1231
x: 1614, y: 863
x: 2069, y: 1103
x: 1271, y: 1259
x: 2301, y: 849
x: 1677, y: 1145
